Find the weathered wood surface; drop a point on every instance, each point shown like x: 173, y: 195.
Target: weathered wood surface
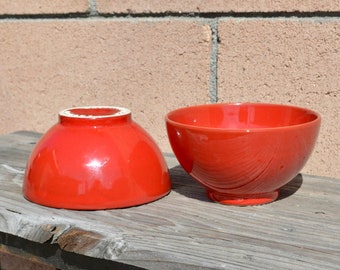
x: 184, y: 230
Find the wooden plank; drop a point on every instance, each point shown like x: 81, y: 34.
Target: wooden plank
x: 184, y: 230
x: 19, y: 260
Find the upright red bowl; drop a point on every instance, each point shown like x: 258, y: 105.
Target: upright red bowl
x: 242, y: 153
x: 95, y: 158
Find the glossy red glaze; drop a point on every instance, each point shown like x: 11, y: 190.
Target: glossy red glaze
x: 95, y: 158
x: 242, y: 153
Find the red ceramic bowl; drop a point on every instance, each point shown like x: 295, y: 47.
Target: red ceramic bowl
x: 242, y: 153
x: 95, y: 158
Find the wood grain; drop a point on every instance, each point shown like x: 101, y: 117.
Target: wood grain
x: 183, y: 230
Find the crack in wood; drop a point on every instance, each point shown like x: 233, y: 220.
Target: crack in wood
x: 13, y: 211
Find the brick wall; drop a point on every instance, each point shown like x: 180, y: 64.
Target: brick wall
x: 153, y: 56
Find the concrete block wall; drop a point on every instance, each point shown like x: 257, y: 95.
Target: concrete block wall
x: 153, y: 56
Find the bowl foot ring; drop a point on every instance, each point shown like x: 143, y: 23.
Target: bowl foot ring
x: 242, y: 200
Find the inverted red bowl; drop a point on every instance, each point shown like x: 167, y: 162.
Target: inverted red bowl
x: 242, y: 153
x: 95, y: 158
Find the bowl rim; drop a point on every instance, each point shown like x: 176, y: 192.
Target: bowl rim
x: 315, y: 121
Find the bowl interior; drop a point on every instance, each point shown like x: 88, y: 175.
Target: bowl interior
x: 242, y: 116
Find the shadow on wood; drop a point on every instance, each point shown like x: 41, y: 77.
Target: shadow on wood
x: 184, y: 184
x: 291, y: 187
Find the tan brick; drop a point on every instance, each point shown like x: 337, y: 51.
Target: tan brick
x: 150, y: 66
x: 178, y: 6
x: 286, y: 61
x: 18, y: 7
